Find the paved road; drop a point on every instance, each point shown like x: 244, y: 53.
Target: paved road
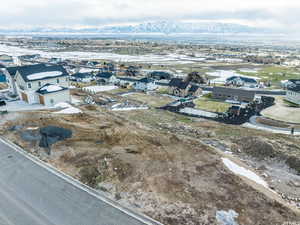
x: 33, y: 194
x: 253, y: 123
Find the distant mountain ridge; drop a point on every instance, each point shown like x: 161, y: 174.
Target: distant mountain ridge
x: 166, y: 27
x: 181, y: 27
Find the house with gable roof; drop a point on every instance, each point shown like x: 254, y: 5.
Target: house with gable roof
x: 39, y: 83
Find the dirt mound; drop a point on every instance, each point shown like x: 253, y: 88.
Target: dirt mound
x: 264, y: 149
x: 256, y: 147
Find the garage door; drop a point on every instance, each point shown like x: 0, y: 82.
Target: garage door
x: 42, y: 99
x: 24, y: 97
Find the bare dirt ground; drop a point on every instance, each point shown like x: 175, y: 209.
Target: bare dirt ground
x: 155, y: 162
x: 283, y: 112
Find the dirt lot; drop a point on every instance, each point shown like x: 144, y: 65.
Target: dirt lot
x: 153, y: 100
x: 155, y: 162
x: 282, y: 112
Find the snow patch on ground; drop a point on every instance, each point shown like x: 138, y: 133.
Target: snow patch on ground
x: 227, y: 218
x: 150, y: 58
x: 130, y: 108
x: 223, y: 75
x: 246, y: 70
x: 67, y: 109
x: 198, y: 112
x: 42, y: 75
x: 97, y: 89
x: 236, y: 169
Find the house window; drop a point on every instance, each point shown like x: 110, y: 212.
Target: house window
x: 29, y: 85
x: 57, y: 80
x: 51, y: 101
x: 67, y: 79
x: 40, y: 84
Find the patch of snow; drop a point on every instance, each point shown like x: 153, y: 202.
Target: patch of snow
x: 130, y: 108
x: 87, y: 70
x: 198, y: 112
x: 42, y: 75
x: 227, y: 218
x: 97, y: 89
x: 4, y: 90
x: 75, y: 101
x: 72, y: 87
x: 223, y: 75
x: 71, y: 110
x: 62, y: 105
x: 51, y: 88
x: 150, y: 58
x: 236, y: 169
x: 246, y: 70
x: 67, y: 108
x: 32, y: 128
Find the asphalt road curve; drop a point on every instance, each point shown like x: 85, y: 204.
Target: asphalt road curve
x: 34, y: 194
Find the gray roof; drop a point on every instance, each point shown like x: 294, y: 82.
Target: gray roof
x: 179, y: 83
x: 25, y: 71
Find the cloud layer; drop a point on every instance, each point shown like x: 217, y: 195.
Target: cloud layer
x: 85, y: 13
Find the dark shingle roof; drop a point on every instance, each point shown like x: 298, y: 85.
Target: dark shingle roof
x: 106, y: 75
x: 294, y: 86
x: 81, y: 75
x: 194, y: 88
x: 145, y: 80
x: 179, y: 83
x: 25, y: 71
x: 244, y: 79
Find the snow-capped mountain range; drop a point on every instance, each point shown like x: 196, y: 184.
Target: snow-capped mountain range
x: 181, y: 27
x: 166, y: 27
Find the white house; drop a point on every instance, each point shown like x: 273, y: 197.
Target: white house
x: 145, y: 84
x: 107, y: 77
x: 293, y: 92
x: 82, y: 77
x: 41, y: 84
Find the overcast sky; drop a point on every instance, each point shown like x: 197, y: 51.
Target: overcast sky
x: 86, y: 13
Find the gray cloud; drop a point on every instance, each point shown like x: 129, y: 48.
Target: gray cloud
x: 75, y: 13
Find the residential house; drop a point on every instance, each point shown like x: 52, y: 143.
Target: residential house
x: 108, y: 67
x: 29, y: 57
x: 160, y: 75
x: 107, y: 78
x: 240, y: 81
x: 293, y: 91
x: 179, y: 87
x: 233, y: 94
x: 82, y: 77
x: 55, y: 60
x: 39, y: 83
x: 145, y: 84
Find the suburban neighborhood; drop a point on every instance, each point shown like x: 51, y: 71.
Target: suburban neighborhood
x: 166, y: 132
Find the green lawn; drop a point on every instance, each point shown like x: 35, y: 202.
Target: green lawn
x: 275, y: 74
x: 211, y: 105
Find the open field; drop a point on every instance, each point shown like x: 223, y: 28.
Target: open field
x: 275, y: 74
x: 151, y: 100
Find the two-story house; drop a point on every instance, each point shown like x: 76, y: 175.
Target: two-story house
x: 293, y: 91
x: 42, y: 84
